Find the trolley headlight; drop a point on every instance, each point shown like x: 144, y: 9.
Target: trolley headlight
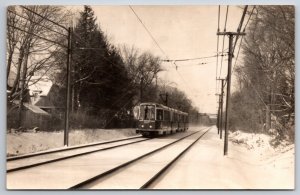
x: 150, y: 126
x: 142, y: 126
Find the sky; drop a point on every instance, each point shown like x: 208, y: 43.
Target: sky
x: 181, y: 32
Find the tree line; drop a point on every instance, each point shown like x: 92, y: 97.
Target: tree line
x: 265, y: 96
x: 106, y: 81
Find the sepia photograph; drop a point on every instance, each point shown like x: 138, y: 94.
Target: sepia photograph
x: 150, y: 97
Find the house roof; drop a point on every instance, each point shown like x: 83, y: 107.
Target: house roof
x: 35, y: 109
x: 39, y: 84
x: 43, y: 102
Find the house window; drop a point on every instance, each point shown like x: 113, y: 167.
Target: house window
x: 35, y: 95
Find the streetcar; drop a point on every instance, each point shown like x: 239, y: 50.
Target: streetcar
x: 156, y: 119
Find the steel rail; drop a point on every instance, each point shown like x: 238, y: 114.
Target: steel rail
x: 156, y: 176
x: 68, y: 148
x: 83, y: 183
x: 70, y: 156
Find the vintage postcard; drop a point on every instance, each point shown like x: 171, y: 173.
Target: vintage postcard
x: 174, y: 97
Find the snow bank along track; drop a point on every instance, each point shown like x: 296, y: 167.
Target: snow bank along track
x: 119, y: 168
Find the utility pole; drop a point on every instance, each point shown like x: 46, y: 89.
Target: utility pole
x: 67, y: 112
x: 166, y: 99
x: 230, y: 56
x: 141, y: 89
x: 167, y: 96
x: 221, y: 107
x: 218, y: 115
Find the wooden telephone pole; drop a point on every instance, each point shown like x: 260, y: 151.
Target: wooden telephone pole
x: 230, y: 56
x: 218, y: 116
x: 69, y: 56
x: 221, y: 107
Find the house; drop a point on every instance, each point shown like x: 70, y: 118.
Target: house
x: 43, y: 106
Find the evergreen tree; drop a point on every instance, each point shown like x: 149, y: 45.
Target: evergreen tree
x: 99, y: 74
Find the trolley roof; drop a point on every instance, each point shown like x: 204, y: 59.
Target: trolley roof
x: 163, y: 107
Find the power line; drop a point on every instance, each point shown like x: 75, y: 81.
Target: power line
x: 44, y: 17
x: 254, y: 88
x: 183, y: 79
x: 150, y: 34
x: 234, y: 67
x: 189, y: 59
x: 198, y: 64
x: 240, y: 26
x: 236, y: 59
x: 224, y: 39
x: 147, y: 30
x: 249, y: 18
x: 36, y: 35
x: 226, y: 18
x: 37, y: 23
x: 217, y: 63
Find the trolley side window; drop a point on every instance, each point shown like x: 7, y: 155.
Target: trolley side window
x: 147, y: 112
x: 181, y: 118
x: 175, y: 117
x: 159, y: 114
x: 166, y: 115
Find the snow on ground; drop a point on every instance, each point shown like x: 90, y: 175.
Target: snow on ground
x: 18, y: 143
x: 276, y: 164
x: 260, y: 143
x: 250, y: 164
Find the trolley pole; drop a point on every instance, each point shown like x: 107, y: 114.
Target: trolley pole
x: 230, y: 56
x: 67, y: 112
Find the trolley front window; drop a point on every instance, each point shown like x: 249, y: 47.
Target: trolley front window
x: 147, y: 112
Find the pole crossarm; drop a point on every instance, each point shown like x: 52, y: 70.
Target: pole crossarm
x: 231, y: 33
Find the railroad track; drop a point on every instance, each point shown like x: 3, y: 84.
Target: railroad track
x: 115, y: 178
x: 41, y: 158
x: 82, y: 171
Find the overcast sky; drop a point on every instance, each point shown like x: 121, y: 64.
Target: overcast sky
x: 182, y: 32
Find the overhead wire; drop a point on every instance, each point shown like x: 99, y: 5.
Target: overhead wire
x: 224, y: 39
x: 150, y: 34
x: 152, y: 37
x: 218, y: 30
x: 226, y: 16
x: 36, y: 35
x: 239, y: 27
x: 43, y: 17
x: 225, y: 25
x: 36, y: 23
x: 254, y: 88
x: 189, y: 59
x: 244, y: 29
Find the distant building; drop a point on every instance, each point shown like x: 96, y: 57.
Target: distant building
x: 203, y: 118
x: 40, y: 109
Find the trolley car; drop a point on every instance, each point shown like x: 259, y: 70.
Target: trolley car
x: 156, y: 119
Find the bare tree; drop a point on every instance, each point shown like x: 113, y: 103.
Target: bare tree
x: 142, y: 67
x: 34, y: 36
x: 268, y: 69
